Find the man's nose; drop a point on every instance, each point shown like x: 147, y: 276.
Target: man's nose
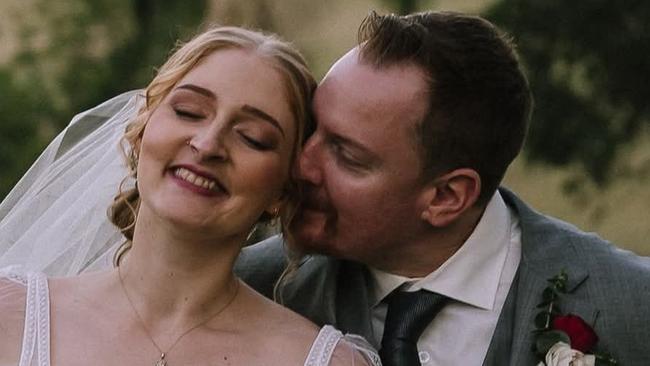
x: 309, y: 162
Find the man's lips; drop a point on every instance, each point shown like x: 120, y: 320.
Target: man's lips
x: 312, y: 203
x: 313, y: 198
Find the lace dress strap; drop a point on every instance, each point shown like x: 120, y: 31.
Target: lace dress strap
x: 36, y: 335
x: 328, y: 338
x: 323, y: 347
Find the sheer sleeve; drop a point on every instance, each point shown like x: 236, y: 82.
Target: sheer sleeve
x: 353, y: 350
x: 13, y: 295
x: 332, y: 348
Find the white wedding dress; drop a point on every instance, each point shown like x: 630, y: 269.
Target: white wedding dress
x: 27, y: 296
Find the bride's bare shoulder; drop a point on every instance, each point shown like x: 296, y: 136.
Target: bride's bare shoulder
x: 272, y: 313
x: 279, y: 328
x: 74, y: 300
x: 88, y: 286
x: 276, y: 328
x: 13, y: 295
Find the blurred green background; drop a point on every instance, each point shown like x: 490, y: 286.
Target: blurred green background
x: 587, y: 158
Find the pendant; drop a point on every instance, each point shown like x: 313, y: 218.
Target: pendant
x: 162, y: 361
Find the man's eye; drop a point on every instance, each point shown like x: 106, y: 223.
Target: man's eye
x: 186, y: 114
x: 345, y: 158
x: 350, y: 162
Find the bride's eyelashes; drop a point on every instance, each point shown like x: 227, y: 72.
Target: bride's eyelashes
x: 254, y: 143
x: 188, y: 114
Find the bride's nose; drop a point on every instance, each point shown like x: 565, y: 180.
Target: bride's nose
x: 209, y: 143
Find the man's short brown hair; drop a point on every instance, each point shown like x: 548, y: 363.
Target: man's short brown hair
x: 479, y: 99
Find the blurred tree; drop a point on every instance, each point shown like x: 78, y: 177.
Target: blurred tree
x: 94, y: 50
x: 402, y: 6
x: 90, y: 76
x: 589, y: 69
x: 20, y: 107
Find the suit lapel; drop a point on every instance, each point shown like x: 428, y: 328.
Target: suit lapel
x: 544, y: 255
x: 500, y: 348
x: 532, y: 281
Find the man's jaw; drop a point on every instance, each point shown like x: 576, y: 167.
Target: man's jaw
x: 310, y: 229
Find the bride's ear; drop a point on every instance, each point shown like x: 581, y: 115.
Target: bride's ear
x: 273, y: 211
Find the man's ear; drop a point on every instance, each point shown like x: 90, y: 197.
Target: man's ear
x: 449, y: 196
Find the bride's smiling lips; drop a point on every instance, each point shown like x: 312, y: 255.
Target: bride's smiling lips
x: 197, y: 180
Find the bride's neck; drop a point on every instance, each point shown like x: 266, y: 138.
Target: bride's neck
x: 170, y: 273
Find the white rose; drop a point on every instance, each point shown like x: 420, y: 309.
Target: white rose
x: 561, y: 354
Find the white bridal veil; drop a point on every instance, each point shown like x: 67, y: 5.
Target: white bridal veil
x: 55, y: 219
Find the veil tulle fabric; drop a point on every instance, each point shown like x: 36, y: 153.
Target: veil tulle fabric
x: 55, y: 219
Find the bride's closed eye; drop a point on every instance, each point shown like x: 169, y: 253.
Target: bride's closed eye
x: 255, y: 144
x: 256, y: 139
x: 188, y: 113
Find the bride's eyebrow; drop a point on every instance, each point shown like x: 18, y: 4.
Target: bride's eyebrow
x: 263, y: 116
x: 198, y: 89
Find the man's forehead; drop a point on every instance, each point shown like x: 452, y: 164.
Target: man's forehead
x: 357, y: 99
x: 349, y: 58
x: 357, y: 87
x: 353, y: 67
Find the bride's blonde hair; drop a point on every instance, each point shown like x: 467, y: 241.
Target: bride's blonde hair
x: 299, y: 85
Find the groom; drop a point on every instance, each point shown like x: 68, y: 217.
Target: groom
x: 416, y: 128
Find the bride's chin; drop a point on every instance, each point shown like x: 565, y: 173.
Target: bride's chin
x: 204, y: 230
x: 181, y: 222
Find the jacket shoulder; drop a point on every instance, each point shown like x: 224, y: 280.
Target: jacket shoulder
x: 260, y: 265
x: 542, y: 235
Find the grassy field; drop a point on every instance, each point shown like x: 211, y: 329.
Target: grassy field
x: 324, y: 30
x: 618, y: 213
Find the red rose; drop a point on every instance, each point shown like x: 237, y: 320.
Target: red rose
x: 582, y: 336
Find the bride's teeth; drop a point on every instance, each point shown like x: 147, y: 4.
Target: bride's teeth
x: 190, y: 177
x: 182, y: 173
x: 199, y: 181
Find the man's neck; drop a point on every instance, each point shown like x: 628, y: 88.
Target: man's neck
x: 431, y: 250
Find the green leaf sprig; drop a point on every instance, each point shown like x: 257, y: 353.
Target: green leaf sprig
x: 546, y: 336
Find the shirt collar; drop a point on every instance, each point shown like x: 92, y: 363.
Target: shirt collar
x: 472, y: 274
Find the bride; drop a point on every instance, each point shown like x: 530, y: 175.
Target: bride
x: 210, y: 152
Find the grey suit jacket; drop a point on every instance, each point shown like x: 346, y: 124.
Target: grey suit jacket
x: 605, y: 282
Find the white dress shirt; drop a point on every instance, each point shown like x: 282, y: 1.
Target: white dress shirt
x: 477, y: 278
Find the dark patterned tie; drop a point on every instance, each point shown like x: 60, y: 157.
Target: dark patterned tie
x: 408, y: 315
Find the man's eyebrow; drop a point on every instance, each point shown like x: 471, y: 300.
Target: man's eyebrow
x: 263, y: 116
x: 198, y: 89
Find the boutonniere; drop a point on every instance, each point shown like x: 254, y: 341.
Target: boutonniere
x: 564, y: 340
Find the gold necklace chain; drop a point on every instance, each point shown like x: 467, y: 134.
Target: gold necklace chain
x: 162, y: 361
